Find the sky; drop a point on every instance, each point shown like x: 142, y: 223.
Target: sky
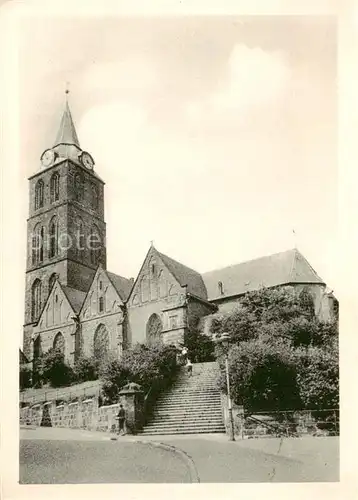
x: 216, y: 136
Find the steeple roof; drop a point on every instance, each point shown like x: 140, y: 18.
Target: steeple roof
x: 67, y: 132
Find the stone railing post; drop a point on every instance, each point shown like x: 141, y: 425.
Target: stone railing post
x: 132, y: 399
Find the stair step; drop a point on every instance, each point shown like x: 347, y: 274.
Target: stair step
x: 185, y: 423
x: 178, y: 425
x: 198, y: 413
x: 204, y: 430
x: 187, y: 402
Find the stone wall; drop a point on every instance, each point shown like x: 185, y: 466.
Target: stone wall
x: 85, y: 414
x: 296, y: 423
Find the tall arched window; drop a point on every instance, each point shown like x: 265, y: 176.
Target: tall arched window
x: 101, y: 343
x: 59, y: 343
x: 37, y: 242
x: 94, y: 196
x: 39, y: 194
x: 95, y: 245
x: 36, y: 292
x: 79, y: 188
x: 80, y: 238
x: 52, y: 281
x: 154, y: 329
x: 55, y: 187
x: 53, y: 237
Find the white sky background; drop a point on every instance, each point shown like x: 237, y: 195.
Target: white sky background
x: 215, y: 136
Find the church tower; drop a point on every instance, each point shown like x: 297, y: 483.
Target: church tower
x: 66, y: 232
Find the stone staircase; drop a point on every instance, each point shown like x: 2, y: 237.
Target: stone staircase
x: 192, y: 406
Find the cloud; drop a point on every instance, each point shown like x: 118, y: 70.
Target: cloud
x: 253, y: 77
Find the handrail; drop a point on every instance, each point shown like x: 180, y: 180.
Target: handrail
x: 270, y: 426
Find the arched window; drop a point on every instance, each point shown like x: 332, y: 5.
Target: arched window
x: 55, y: 187
x: 80, y: 238
x: 221, y: 288
x: 154, y: 329
x: 52, y: 281
x: 94, y: 196
x: 39, y: 194
x: 53, y: 247
x: 37, y: 242
x: 36, y: 292
x: 101, y: 344
x: 79, y: 187
x: 59, y: 343
x: 95, y: 245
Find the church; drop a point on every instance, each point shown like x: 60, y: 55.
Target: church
x: 72, y: 302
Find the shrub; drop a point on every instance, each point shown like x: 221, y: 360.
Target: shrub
x: 200, y: 347
x: 262, y: 376
x: 282, y: 356
x: 52, y: 368
x: 25, y: 377
x: 318, y: 377
x: 86, y: 368
x: 152, y: 367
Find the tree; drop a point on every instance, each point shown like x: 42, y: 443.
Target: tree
x: 51, y: 367
x: 318, y: 377
x: 151, y: 366
x: 200, y: 347
x: 262, y: 375
x: 86, y: 368
x: 281, y: 355
x: 25, y: 377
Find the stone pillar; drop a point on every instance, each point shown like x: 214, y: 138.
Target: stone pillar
x: 132, y: 399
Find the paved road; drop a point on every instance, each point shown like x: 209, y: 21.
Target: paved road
x: 262, y: 460
x: 98, y: 461
x: 91, y: 457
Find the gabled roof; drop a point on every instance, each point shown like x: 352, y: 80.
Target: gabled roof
x: 185, y: 276
x: 74, y: 297
x: 122, y: 285
x: 277, y: 269
x: 67, y: 133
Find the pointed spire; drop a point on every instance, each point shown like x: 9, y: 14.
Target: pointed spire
x: 67, y: 132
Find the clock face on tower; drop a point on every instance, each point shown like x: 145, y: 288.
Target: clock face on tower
x: 87, y: 160
x: 48, y: 157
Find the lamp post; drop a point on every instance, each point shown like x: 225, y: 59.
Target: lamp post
x: 224, y: 340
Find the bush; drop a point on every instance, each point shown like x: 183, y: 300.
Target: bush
x: 262, y: 376
x: 200, y: 347
x: 282, y: 356
x: 152, y: 367
x: 86, y: 368
x: 52, y: 368
x: 25, y: 377
x: 318, y: 377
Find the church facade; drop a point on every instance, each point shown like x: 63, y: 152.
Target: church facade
x: 74, y: 303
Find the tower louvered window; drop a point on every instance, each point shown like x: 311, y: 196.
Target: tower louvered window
x: 55, y: 187
x: 39, y: 194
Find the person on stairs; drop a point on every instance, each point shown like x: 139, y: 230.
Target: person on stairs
x: 184, y: 354
x: 189, y: 368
